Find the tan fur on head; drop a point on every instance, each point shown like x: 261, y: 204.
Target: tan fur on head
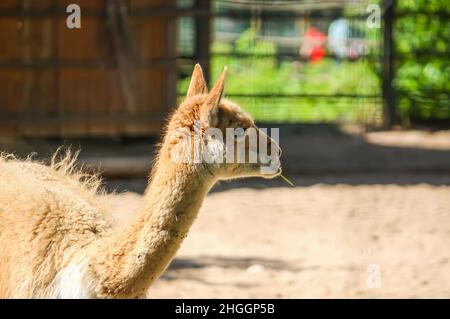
x: 57, y: 239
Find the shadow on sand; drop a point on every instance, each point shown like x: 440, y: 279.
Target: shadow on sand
x: 312, y: 154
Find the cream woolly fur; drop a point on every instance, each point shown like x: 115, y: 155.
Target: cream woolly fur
x: 57, y: 239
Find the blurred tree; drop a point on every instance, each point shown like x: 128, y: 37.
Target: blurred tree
x: 422, y: 33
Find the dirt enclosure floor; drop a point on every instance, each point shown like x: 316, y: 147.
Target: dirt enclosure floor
x: 378, y: 227
x: 350, y: 236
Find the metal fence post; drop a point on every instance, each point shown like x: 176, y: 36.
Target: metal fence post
x: 203, y: 35
x: 389, y: 109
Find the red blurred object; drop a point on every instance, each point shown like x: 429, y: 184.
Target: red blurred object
x: 313, y: 45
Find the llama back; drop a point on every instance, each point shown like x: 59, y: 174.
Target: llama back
x: 47, y: 214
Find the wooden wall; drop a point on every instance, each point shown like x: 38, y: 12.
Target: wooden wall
x: 56, y: 81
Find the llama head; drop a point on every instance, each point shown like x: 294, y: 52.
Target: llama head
x: 218, y: 137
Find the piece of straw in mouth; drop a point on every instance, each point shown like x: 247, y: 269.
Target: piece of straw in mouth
x: 287, y: 180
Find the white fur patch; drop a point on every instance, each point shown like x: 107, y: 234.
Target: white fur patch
x: 71, y: 283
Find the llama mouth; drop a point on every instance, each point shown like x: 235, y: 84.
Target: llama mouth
x: 269, y: 175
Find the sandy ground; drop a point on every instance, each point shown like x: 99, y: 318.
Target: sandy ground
x: 362, y: 238
x: 382, y: 232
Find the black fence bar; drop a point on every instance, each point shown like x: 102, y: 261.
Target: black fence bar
x: 167, y: 63
x: 94, y: 63
x: 171, y: 62
x: 421, y: 54
x: 280, y: 55
x: 149, y: 118
x: 433, y: 14
x: 398, y: 55
x: 203, y: 37
x: 205, y: 12
x: 275, y: 95
x: 190, y: 12
x: 389, y: 107
x: 293, y: 96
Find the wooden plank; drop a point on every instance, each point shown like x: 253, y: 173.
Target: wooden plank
x: 9, y: 4
x: 84, y: 92
x: 84, y: 4
x: 40, y: 85
x: 11, y: 81
x: 74, y: 101
x: 10, y: 38
x: 11, y: 92
x: 33, y: 4
x: 140, y: 4
x: 150, y: 37
x: 156, y: 39
x: 39, y: 101
x: 81, y: 44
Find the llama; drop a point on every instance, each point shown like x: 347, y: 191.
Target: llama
x: 57, y: 239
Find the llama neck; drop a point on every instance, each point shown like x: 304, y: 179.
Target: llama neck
x: 137, y: 257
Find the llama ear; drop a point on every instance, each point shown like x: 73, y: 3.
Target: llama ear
x: 198, y: 84
x: 210, y: 109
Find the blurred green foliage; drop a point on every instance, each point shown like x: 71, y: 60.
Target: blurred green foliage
x: 262, y: 73
x: 422, y: 73
x: 422, y: 67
